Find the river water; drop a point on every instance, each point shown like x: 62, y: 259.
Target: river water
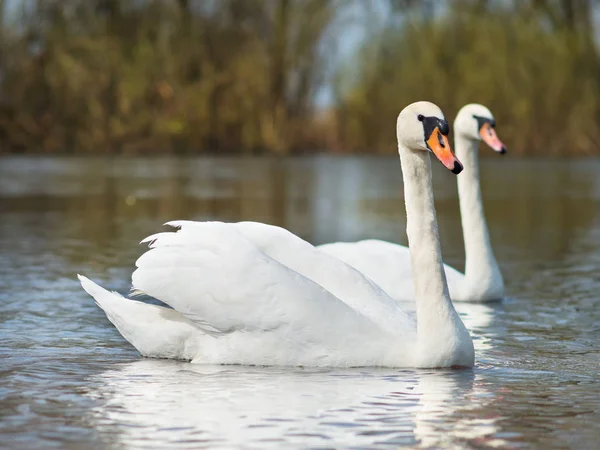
x: 69, y: 380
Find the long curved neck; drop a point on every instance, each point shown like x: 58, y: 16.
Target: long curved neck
x: 481, y: 267
x: 435, y: 312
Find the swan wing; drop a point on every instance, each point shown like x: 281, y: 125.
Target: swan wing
x: 387, y: 264
x: 228, y: 287
x: 342, y: 280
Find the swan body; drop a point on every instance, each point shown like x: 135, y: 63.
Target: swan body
x: 250, y: 293
x: 389, y: 265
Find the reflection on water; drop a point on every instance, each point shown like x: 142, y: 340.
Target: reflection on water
x: 150, y: 399
x: 69, y: 380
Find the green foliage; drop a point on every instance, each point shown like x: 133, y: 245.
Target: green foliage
x: 241, y: 75
x: 109, y: 75
x: 541, y: 81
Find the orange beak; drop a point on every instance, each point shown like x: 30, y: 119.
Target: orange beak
x: 439, y: 145
x: 489, y: 136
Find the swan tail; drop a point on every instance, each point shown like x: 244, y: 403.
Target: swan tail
x: 155, y: 331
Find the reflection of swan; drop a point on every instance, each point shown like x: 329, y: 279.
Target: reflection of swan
x: 234, y: 406
x: 478, y: 317
x: 439, y: 419
x: 482, y: 281
x: 236, y: 299
x: 162, y: 404
x: 159, y: 401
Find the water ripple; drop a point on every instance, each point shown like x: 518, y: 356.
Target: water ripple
x: 69, y: 380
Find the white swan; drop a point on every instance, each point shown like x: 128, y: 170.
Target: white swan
x: 236, y: 299
x: 388, y: 264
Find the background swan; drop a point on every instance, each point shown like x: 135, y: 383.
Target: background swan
x: 233, y: 303
x: 388, y: 264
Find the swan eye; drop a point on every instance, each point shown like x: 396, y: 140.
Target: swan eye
x: 483, y: 121
x: 444, y: 127
x: 431, y: 123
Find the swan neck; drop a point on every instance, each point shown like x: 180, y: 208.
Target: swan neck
x: 434, y: 308
x: 481, y: 266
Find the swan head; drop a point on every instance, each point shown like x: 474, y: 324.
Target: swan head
x: 476, y: 122
x: 422, y: 126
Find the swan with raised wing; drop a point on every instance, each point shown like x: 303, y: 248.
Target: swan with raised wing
x: 237, y: 298
x: 388, y: 264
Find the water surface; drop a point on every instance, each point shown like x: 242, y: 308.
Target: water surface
x: 69, y: 380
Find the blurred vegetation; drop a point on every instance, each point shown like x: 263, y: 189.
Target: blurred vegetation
x: 233, y: 76
x: 533, y: 63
